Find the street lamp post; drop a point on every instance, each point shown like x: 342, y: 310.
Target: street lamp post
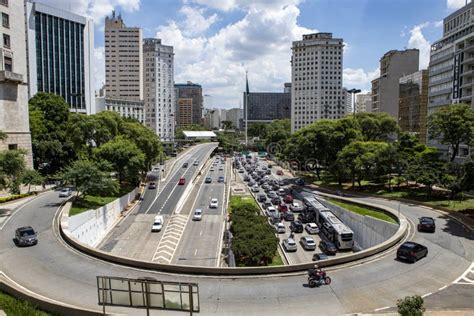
x: 353, y: 93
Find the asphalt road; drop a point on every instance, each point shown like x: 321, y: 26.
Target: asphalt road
x: 53, y: 270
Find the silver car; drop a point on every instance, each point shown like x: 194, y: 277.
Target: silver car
x: 308, y: 243
x: 289, y: 244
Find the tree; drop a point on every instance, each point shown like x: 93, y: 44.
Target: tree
x: 277, y: 133
x: 376, y: 126
x: 426, y: 168
x: 89, y: 179
x: 453, y: 125
x: 12, y: 166
x: 257, y: 130
x: 49, y: 119
x: 227, y: 125
x: 411, y: 306
x: 31, y: 177
x: 124, y: 157
x: 3, y: 136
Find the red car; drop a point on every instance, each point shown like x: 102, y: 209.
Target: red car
x: 288, y: 199
x: 182, y: 181
x: 279, y: 173
x: 283, y: 208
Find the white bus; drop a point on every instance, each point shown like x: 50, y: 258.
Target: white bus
x: 335, y: 230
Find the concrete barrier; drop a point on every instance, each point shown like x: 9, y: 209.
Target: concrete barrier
x: 92, y: 226
x: 222, y: 271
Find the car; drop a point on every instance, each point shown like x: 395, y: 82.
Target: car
x: 295, y: 207
x: 283, y: 207
x: 271, y: 212
x: 196, y: 163
x: 411, y: 251
x: 312, y: 228
x: 308, y: 243
x: 280, y: 228
x: 197, y: 216
x: 305, y: 218
x: 289, y: 245
x: 299, y: 181
x: 251, y: 183
x: 296, y: 227
x: 267, y: 204
x: 279, y: 172
x: 220, y: 179
x: 272, y: 194
x: 26, y: 236
x: 261, y: 181
x: 426, y: 224
x: 320, y: 256
x: 208, y: 180
x: 212, y: 169
x: 255, y: 189
x: 214, y: 203
x: 65, y: 192
x: 264, y: 168
x: 222, y: 168
x: 275, y: 187
x: 267, y: 189
x: 261, y: 197
x: 327, y: 247
x: 157, y: 224
x: 276, y: 200
x: 289, y: 216
x: 185, y: 165
x: 281, y: 192
x: 268, y: 171
x: 270, y: 166
x: 288, y: 199
x: 246, y: 178
x: 181, y: 181
x: 152, y: 185
x: 241, y: 171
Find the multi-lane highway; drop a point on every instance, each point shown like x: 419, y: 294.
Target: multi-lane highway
x: 54, y: 270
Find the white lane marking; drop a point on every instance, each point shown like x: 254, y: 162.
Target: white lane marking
x: 200, y: 234
x: 427, y: 294
x: 442, y: 288
x: 169, y: 242
x: 381, y: 309
x: 195, y: 252
x: 16, y: 210
x: 463, y: 279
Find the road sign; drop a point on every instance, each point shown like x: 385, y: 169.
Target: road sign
x: 148, y: 294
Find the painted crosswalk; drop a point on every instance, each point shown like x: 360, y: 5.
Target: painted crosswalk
x: 171, y: 236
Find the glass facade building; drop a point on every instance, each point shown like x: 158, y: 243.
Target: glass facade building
x: 267, y: 106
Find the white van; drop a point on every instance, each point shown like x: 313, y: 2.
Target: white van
x: 157, y: 224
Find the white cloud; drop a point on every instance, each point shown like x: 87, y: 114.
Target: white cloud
x: 455, y: 4
x: 359, y: 78
x: 99, y: 67
x: 438, y: 23
x: 260, y: 42
x: 227, y: 5
x: 195, y: 22
x: 417, y: 40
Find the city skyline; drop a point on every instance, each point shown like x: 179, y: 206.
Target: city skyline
x: 215, y: 42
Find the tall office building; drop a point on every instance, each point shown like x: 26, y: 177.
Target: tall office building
x: 413, y: 102
x: 347, y: 98
x: 191, y: 91
x: 60, y: 55
x: 451, y: 68
x: 123, y: 60
x: 235, y: 115
x: 14, y: 80
x: 159, y: 88
x: 393, y: 65
x: 184, y: 113
x: 316, y: 75
x: 363, y: 102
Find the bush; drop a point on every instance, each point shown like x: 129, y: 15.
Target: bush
x: 15, y: 197
x: 12, y: 306
x: 411, y: 306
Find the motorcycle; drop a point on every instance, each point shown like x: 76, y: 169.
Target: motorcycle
x: 317, y: 277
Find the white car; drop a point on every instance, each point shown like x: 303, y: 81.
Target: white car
x: 272, y: 211
x: 214, y: 203
x: 196, y: 163
x: 281, y: 192
x: 280, y: 228
x: 197, y: 216
x: 66, y: 192
x: 157, y: 224
x: 289, y: 244
x: 295, y: 207
x: 312, y: 228
x: 255, y: 189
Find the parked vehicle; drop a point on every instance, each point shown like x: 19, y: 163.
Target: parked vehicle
x: 327, y: 247
x: 280, y: 228
x: 197, y: 216
x: 267, y: 204
x: 296, y: 227
x: 305, y: 218
x: 312, y: 228
x: 411, y: 251
x: 295, y: 207
x: 426, y: 224
x: 288, y: 199
x: 214, y: 203
x: 308, y: 243
x: 272, y: 194
x: 320, y: 256
x: 271, y: 212
x: 289, y: 216
x: 276, y: 200
x: 26, y: 236
x: 261, y: 197
x: 283, y: 208
x: 268, y: 171
x: 255, y: 189
x: 181, y: 181
x: 289, y: 245
x: 65, y: 192
x: 246, y: 178
x: 281, y: 192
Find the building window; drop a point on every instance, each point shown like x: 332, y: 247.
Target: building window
x: 4, y: 2
x: 8, y: 64
x: 12, y: 146
x: 5, y: 20
x: 6, y: 40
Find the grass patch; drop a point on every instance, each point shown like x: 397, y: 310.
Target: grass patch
x: 237, y: 201
x: 13, y: 306
x: 363, y: 210
x: 92, y: 202
x: 276, y: 260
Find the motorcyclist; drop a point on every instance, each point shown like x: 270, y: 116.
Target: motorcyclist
x: 316, y: 272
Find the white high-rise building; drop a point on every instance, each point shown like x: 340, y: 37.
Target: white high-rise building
x: 363, y: 102
x: 316, y: 74
x: 347, y: 97
x: 158, y: 60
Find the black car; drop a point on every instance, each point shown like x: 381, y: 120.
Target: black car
x: 305, y: 218
x: 268, y: 171
x: 261, y: 197
x: 289, y: 216
x: 327, y: 247
x: 426, y: 224
x: 296, y: 227
x: 276, y: 200
x: 208, y: 180
x: 299, y: 181
x: 185, y: 165
x: 26, y: 236
x: 411, y: 251
x: 152, y: 185
x: 320, y: 256
x: 246, y: 178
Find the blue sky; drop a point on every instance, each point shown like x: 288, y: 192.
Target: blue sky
x: 215, y: 41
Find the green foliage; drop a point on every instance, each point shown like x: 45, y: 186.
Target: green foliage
x: 376, y: 126
x: 31, y: 177
x: 145, y: 139
x: 257, y: 130
x: 411, y: 306
x: 89, y: 179
x: 278, y: 132
x: 228, y: 142
x: 453, y: 125
x: 13, y: 306
x: 3, y: 136
x: 124, y: 157
x: 14, y: 197
x: 12, y: 166
x: 363, y: 210
x: 426, y: 168
x: 254, y: 242
x: 227, y: 125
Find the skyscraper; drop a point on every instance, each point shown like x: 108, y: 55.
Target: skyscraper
x: 123, y: 60
x: 316, y: 74
x: 191, y: 91
x: 14, y: 80
x: 393, y: 65
x: 60, y: 55
x: 159, y: 88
